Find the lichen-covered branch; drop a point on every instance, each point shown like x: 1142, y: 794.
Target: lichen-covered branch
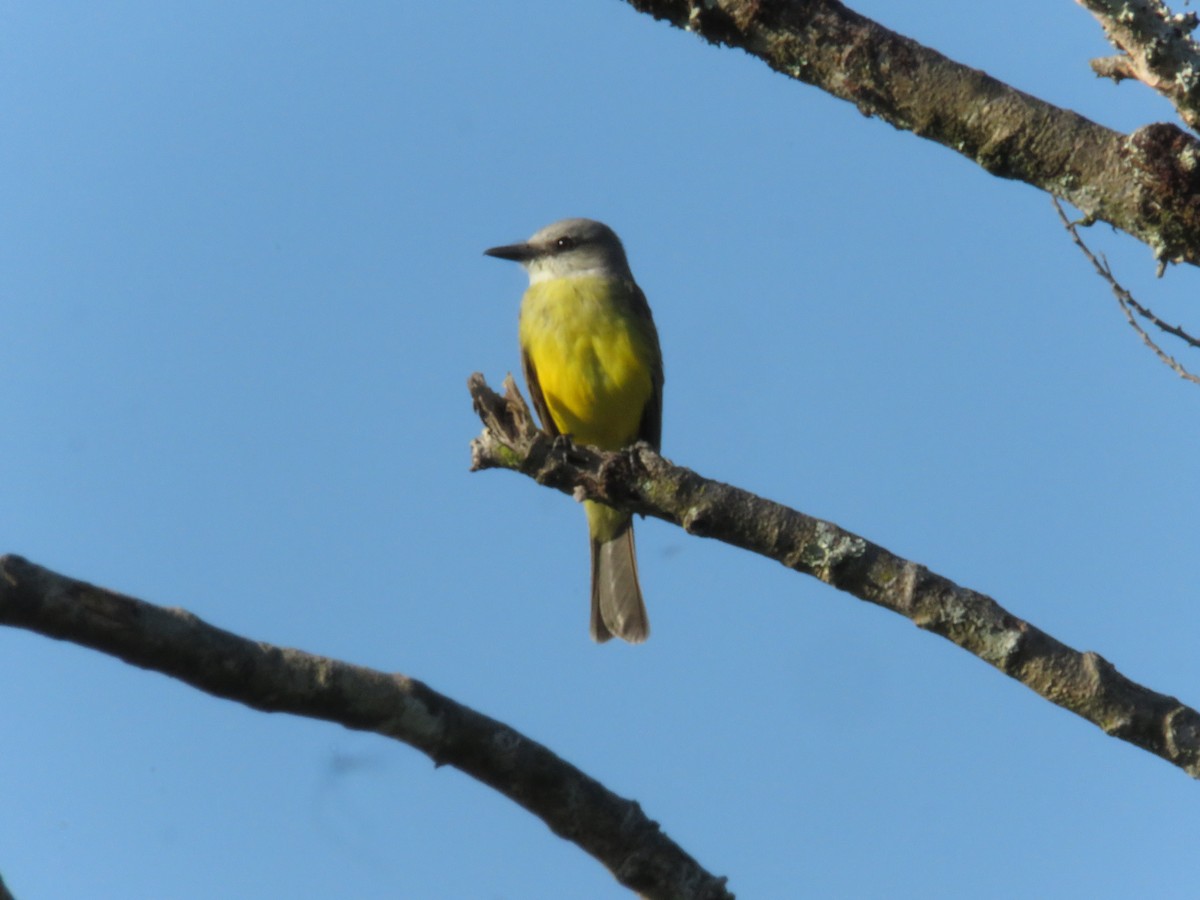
x: 1156, y: 48
x: 641, y: 481
x: 1146, y: 183
x: 275, y: 679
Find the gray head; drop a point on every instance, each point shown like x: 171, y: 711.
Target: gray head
x: 569, y: 249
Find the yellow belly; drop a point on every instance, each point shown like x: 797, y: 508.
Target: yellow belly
x: 593, y: 356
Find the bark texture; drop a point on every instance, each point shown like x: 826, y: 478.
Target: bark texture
x: 1146, y: 183
x: 275, y: 679
x: 1156, y: 48
x: 641, y: 481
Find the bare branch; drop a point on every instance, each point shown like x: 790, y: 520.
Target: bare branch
x: 1146, y: 183
x: 275, y: 679
x: 1129, y: 305
x: 1158, y: 48
x: 1117, y: 68
x: 641, y: 481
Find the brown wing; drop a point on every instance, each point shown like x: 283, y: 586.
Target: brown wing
x: 650, y: 429
x: 535, y: 394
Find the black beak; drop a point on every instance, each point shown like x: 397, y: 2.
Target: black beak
x: 515, y: 252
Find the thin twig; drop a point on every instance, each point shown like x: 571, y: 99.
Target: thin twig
x: 1129, y: 304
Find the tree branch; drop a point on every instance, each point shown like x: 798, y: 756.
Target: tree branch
x: 274, y: 679
x: 1157, y: 50
x: 1146, y: 183
x: 641, y: 481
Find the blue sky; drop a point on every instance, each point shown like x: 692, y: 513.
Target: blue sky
x: 242, y: 283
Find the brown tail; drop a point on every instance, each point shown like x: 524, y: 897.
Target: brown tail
x: 617, y: 606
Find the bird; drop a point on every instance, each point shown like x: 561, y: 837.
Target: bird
x: 593, y: 365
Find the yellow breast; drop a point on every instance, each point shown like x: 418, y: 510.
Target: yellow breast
x: 594, y: 357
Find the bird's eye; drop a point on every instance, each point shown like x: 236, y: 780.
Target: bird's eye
x: 566, y: 242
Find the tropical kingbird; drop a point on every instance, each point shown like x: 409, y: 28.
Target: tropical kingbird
x: 590, y: 354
